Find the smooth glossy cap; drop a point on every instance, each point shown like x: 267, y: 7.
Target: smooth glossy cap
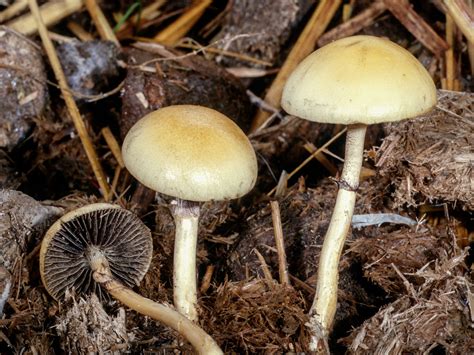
x: 359, y: 79
x: 190, y: 152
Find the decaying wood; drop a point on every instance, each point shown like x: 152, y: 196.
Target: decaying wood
x: 418, y: 27
x: 68, y: 98
x: 354, y: 25
x: 52, y: 12
x: 303, y: 47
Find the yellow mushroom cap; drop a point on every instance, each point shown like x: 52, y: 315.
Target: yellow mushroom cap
x: 191, y: 152
x: 359, y: 79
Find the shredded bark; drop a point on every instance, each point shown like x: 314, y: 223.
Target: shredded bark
x: 404, y: 250
x: 430, y: 159
x: 257, y: 317
x: 85, y: 327
x: 436, y: 316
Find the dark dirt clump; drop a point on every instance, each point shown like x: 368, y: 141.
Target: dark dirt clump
x: 171, y: 79
x: 22, y: 86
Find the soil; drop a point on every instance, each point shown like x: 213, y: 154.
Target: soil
x: 402, y: 288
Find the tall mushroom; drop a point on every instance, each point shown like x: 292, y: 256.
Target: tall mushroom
x: 194, y: 154
x: 355, y: 81
x: 104, y: 247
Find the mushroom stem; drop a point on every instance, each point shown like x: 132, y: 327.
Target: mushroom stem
x: 324, y: 306
x: 202, y: 342
x: 186, y: 218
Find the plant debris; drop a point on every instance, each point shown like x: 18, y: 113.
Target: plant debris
x: 86, y: 327
x: 257, y: 316
x: 430, y: 159
x: 435, y: 316
x: 402, y: 288
x: 404, y: 250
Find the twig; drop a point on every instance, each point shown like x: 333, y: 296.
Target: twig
x: 113, y: 146
x: 225, y: 53
x: 206, y: 280
x: 463, y: 16
x: 354, y: 25
x: 79, y: 31
x: 51, y: 13
x: 115, y: 180
x: 13, y: 10
x: 100, y: 22
x: 178, y: 29
x: 447, y: 82
x: 307, y: 160
x: 303, y: 47
x: 311, y: 148
x: 303, y: 285
x: 415, y: 24
x: 280, y: 244
x: 169, y: 56
x: 409, y: 287
x: 68, y: 98
x: 470, y: 44
x: 264, y: 266
x: 282, y: 184
x: 347, y: 11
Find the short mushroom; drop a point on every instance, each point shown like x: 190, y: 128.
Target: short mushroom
x: 194, y: 154
x: 103, y: 247
x: 355, y: 81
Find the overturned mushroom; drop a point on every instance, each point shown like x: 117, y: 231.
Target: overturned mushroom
x: 102, y: 247
x: 194, y: 154
x: 355, y: 81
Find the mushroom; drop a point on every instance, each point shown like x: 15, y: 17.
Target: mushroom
x: 105, y: 247
x: 194, y: 154
x: 355, y: 81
